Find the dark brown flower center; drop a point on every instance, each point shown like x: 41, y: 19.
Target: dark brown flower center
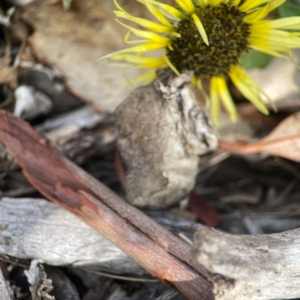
x: 227, y: 34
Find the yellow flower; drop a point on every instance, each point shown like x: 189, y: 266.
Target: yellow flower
x: 208, y: 38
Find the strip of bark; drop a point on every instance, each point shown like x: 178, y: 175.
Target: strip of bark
x: 155, y: 249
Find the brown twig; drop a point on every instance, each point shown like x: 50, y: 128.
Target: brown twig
x: 259, y: 146
x: 154, y: 248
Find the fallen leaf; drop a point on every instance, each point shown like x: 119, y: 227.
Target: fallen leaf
x: 279, y: 79
x: 8, y: 75
x: 283, y: 141
x: 207, y: 213
x: 73, y: 40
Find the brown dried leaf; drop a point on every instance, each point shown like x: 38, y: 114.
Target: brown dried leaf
x: 207, y: 213
x: 283, y: 141
x: 8, y: 75
x: 278, y: 87
x: 73, y: 40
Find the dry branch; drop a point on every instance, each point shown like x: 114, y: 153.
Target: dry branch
x: 154, y: 248
x: 39, y: 229
x: 251, y: 267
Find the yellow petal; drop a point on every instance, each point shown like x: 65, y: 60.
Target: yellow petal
x: 267, y: 45
x: 198, y: 83
x: 170, y: 65
x: 146, y: 78
x: 169, y: 11
x: 214, y: 101
x: 257, y: 14
x: 200, y: 28
x: 136, y: 42
x: 121, y: 13
x: 268, y: 51
x: 142, y: 62
x: 236, y: 2
x: 214, y: 2
x: 250, y: 4
x: 278, y: 42
x: 127, y: 37
x: 144, y: 23
x: 147, y: 34
x: 202, y: 3
x: 226, y: 99
x: 156, y: 13
x: 148, y: 46
x: 274, y: 4
x: 285, y: 23
x: 239, y: 78
x: 262, y: 12
x: 186, y: 5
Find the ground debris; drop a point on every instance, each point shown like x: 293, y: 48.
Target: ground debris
x: 249, y: 187
x: 40, y: 285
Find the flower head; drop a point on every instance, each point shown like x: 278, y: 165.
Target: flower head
x: 208, y: 38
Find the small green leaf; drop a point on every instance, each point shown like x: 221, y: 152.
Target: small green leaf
x: 296, y: 2
x: 255, y: 59
x: 66, y: 3
x: 289, y: 9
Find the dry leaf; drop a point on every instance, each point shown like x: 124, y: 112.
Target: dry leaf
x: 73, y: 40
x: 207, y: 213
x: 279, y: 79
x: 283, y: 141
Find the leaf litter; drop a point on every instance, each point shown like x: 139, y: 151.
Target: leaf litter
x: 249, y: 186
